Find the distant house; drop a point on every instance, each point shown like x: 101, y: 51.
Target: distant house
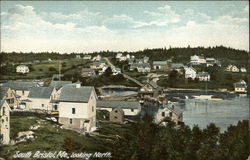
x: 78, y: 56
x: 22, y: 69
x: 21, y: 88
x: 143, y: 67
x: 77, y: 107
x: 57, y: 76
x: 150, y: 89
x: 232, y: 68
x: 190, y: 72
x: 145, y: 59
x: 9, y: 96
x: 40, y: 98
x: 212, y: 61
x: 129, y: 108
x: 97, y: 58
x: 87, y: 57
x: 133, y: 66
x: 243, y: 69
x: 98, y: 65
x: 131, y: 61
x: 169, y: 112
x: 118, y: 55
x: 128, y: 56
x: 138, y: 61
x: 4, y: 122
x: 116, y: 115
x: 103, y: 70
x: 177, y: 66
x: 116, y: 71
x: 197, y: 60
x: 240, y: 87
x: 160, y: 65
x: 87, y: 72
x: 203, y: 76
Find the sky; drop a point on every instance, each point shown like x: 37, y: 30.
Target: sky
x: 87, y: 26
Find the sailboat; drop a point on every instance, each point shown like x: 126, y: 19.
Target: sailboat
x: 204, y: 97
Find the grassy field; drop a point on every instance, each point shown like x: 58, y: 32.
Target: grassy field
x: 42, y: 70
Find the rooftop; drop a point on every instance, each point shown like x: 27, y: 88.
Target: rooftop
x: 73, y: 94
x: 118, y: 104
x: 41, y: 92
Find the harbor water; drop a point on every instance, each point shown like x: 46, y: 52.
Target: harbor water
x: 223, y: 113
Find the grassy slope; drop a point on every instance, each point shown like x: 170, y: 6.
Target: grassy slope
x: 50, y: 137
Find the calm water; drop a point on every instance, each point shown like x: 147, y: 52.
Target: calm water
x: 222, y: 113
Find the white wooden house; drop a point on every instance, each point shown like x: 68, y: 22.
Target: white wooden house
x: 40, y: 98
x: 22, y: 69
x: 240, y: 87
x: 203, y: 76
x: 197, y: 60
x: 190, y: 72
x: 4, y: 122
x: 77, y: 107
x: 232, y: 68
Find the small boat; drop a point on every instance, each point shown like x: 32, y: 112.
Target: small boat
x: 205, y: 97
x: 215, y: 99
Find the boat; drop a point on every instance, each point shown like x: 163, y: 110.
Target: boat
x: 203, y: 97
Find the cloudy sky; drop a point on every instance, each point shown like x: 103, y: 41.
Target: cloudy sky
x: 85, y: 26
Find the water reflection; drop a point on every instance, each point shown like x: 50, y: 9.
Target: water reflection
x: 222, y: 113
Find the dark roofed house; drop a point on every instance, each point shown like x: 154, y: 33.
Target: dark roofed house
x: 143, y: 67
x: 40, y: 98
x: 177, y: 66
x: 150, y: 89
x: 21, y: 88
x: 160, y: 65
x: 77, y: 107
x: 240, y: 87
x: 170, y: 112
x: 129, y: 108
x: 203, y: 76
x: 11, y: 98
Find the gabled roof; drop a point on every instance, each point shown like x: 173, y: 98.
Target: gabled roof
x: 143, y: 65
x: 203, y: 74
x: 3, y: 91
x: 73, y: 94
x: 118, y: 104
x: 176, y: 65
x: 240, y: 85
x: 59, y: 84
x: 160, y: 63
x: 41, y: 92
x: 20, y: 85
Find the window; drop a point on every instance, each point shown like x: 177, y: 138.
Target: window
x: 23, y: 92
x: 92, y: 108
x: 7, y: 119
x: 3, y: 110
x: 115, y: 117
x: 132, y: 110
x: 170, y: 114
x: 70, y: 121
x: 42, y: 105
x: 55, y: 107
x: 163, y: 114
x: 73, y: 110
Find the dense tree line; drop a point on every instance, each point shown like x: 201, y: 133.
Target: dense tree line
x: 176, y: 54
x: 147, y: 140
